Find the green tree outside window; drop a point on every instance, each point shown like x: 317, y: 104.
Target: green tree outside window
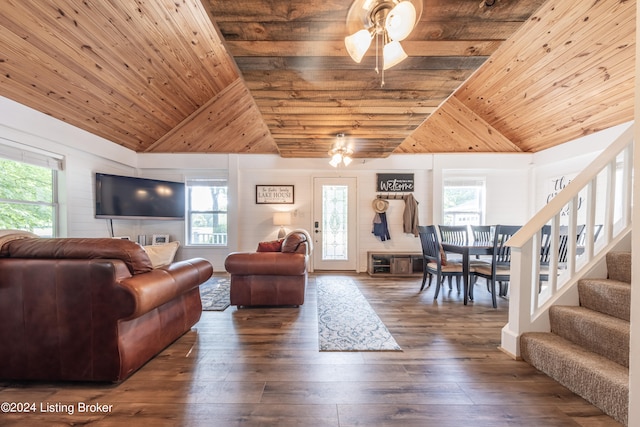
x: 27, y: 197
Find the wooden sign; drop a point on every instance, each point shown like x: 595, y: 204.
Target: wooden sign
x: 394, y: 182
x: 274, y: 194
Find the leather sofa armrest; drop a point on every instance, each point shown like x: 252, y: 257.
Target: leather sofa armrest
x: 151, y: 290
x: 266, y: 263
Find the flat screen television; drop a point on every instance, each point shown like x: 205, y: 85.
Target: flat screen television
x: 126, y: 197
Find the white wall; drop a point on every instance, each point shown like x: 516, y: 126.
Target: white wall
x: 567, y: 160
x: 84, y: 154
x: 257, y: 219
x: 558, y: 166
x: 510, y: 178
x: 507, y: 178
x: 254, y: 222
x: 507, y: 183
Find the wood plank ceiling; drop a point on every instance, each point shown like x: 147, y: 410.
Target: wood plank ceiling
x: 569, y: 71
x: 267, y: 76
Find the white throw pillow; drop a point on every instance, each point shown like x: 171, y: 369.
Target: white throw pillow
x: 162, y: 255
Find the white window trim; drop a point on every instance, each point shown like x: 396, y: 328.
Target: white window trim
x: 192, y: 181
x: 468, y: 181
x: 22, y: 153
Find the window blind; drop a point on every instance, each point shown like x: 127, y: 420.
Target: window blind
x: 21, y: 153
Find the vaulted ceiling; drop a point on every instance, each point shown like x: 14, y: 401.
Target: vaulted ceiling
x: 268, y: 76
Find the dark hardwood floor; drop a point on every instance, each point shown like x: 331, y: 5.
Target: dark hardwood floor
x: 262, y: 367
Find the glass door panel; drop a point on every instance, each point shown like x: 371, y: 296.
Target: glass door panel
x: 335, y: 223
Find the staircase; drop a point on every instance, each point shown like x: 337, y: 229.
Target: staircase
x: 587, y: 349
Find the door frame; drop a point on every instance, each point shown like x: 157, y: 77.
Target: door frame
x: 353, y: 234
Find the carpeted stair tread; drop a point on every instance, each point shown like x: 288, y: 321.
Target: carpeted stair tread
x: 587, y: 349
x: 608, y: 296
x: 597, y: 332
x: 619, y: 266
x: 595, y: 378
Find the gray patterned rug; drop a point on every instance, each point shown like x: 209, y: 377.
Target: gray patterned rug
x: 214, y: 294
x: 346, y: 321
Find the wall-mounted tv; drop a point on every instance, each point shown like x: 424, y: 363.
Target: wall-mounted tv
x: 126, y: 197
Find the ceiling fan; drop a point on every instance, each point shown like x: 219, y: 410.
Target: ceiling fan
x: 341, y: 152
x: 388, y: 21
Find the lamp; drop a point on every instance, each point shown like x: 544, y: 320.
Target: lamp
x: 340, y: 153
x: 388, y: 20
x: 281, y: 219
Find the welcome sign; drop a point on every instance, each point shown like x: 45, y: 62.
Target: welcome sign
x: 394, y: 182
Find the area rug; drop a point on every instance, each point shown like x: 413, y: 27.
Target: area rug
x: 214, y: 294
x: 346, y: 321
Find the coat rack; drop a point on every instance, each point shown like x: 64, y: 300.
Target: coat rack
x: 390, y: 196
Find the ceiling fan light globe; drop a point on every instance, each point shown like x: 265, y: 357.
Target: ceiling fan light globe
x: 357, y: 44
x: 400, y: 21
x: 346, y: 160
x: 335, y: 160
x: 393, y: 54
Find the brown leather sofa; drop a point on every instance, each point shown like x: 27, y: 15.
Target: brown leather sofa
x: 274, y: 275
x: 90, y: 309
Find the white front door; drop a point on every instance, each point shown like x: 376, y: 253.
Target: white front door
x: 334, y: 224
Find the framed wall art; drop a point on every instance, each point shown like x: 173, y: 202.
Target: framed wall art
x: 274, y: 194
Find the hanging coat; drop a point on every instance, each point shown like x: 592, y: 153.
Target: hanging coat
x: 380, y: 227
x: 410, y: 216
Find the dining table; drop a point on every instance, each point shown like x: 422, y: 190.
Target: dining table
x: 468, y: 250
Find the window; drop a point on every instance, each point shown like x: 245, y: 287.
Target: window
x: 28, y: 197
x: 463, y: 201
x: 207, y: 212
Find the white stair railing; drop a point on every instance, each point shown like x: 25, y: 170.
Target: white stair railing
x: 598, y: 201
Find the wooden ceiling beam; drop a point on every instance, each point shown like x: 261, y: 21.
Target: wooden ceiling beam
x: 312, y: 48
x: 432, y: 97
x: 450, y: 29
x: 336, y: 63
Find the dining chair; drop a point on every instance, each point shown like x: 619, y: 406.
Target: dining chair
x: 499, y: 270
x: 456, y: 235
x: 563, y: 243
x: 596, y: 231
x: 433, y: 260
x: 582, y: 237
x: 545, y: 255
x: 481, y: 233
x: 545, y: 245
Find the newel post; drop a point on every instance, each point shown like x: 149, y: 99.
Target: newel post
x: 519, y: 298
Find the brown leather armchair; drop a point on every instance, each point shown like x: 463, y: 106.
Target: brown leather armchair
x: 274, y: 275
